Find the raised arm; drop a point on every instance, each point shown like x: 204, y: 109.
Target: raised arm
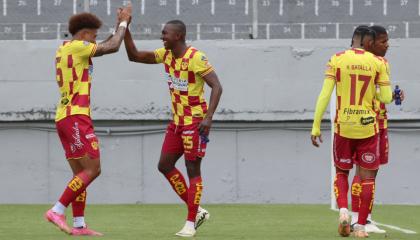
x: 137, y: 56
x: 216, y: 91
x: 113, y: 44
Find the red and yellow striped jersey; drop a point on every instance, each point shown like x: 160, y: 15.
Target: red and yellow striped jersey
x: 186, y: 84
x: 73, y: 74
x: 356, y: 73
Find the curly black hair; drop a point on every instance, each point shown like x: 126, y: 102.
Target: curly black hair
x: 83, y: 20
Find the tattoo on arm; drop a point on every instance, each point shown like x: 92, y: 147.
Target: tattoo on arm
x: 112, y: 45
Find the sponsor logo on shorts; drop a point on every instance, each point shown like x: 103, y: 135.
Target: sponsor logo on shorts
x: 90, y: 135
x: 345, y: 160
x: 76, y: 136
x: 367, y: 120
x: 188, y: 132
x: 368, y: 157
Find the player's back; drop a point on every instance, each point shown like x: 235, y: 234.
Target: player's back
x: 356, y: 72
x: 73, y: 74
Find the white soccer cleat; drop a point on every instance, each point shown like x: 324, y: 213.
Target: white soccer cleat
x: 360, y: 231
x: 371, y: 227
x: 202, y: 216
x: 344, y: 223
x: 186, y: 231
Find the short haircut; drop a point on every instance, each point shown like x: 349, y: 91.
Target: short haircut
x: 362, y: 31
x: 180, y: 25
x: 379, y: 30
x: 83, y: 20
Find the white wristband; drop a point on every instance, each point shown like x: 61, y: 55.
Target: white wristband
x: 123, y: 24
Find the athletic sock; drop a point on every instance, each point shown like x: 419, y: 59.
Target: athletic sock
x: 177, y: 181
x: 356, y: 189
x: 79, y: 222
x: 78, y: 207
x: 194, y: 197
x: 59, y: 208
x: 341, y: 188
x: 366, y: 200
x: 74, y: 188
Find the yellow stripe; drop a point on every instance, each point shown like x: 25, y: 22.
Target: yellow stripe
x: 207, y: 72
x: 93, y: 50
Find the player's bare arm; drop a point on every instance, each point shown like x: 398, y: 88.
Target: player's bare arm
x: 113, y: 44
x: 137, y: 56
x: 216, y: 91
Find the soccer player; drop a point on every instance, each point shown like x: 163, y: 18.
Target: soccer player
x: 355, y: 73
x: 73, y: 122
x: 186, y: 71
x: 379, y: 48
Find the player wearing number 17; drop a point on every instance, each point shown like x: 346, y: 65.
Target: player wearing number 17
x: 356, y: 73
x: 186, y: 71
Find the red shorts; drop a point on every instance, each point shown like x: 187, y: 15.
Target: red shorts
x: 363, y: 152
x: 78, y: 137
x: 184, y: 140
x: 383, y: 146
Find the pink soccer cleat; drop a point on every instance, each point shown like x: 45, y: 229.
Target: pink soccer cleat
x: 85, y: 232
x: 58, y: 220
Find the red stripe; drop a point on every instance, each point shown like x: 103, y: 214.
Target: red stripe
x: 340, y: 53
x: 177, y: 98
x: 70, y: 61
x: 338, y: 75
x: 376, y: 77
x: 70, y: 88
x: 193, y: 51
x: 85, y: 76
x: 177, y: 73
x: 187, y: 111
x: 174, y: 107
x: 74, y: 74
x: 166, y: 68
x: 358, y: 51
x: 204, y: 107
x: 183, y: 93
x: 60, y: 77
x: 181, y: 121
x: 173, y: 63
x: 80, y: 100
x: 193, y: 100
x: 353, y: 89
x: 68, y: 111
x: 191, y: 77
x: 165, y: 55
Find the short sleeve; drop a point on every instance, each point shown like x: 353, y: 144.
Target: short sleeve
x: 159, y: 54
x: 201, y: 65
x: 84, y: 49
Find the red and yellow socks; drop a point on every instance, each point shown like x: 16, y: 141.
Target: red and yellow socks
x: 341, y: 188
x: 367, y: 196
x: 356, y: 189
x: 177, y: 181
x: 194, y: 197
x: 74, y: 188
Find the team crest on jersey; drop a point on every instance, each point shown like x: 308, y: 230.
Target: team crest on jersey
x: 368, y: 157
x: 184, y: 66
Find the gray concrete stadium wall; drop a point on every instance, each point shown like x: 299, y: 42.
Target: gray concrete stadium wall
x: 259, y: 151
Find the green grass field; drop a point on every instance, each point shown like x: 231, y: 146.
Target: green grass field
x: 227, y: 222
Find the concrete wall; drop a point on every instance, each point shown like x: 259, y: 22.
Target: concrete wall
x: 263, y: 80
x: 266, y: 160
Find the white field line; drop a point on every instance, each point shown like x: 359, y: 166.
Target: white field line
x: 406, y: 231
